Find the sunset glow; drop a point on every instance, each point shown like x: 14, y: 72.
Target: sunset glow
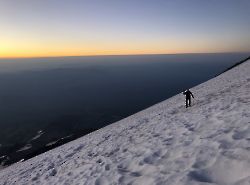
x: 74, y: 28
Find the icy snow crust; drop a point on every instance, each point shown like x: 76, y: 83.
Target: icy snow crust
x: 208, y: 143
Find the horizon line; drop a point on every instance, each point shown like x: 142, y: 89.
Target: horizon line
x: 139, y: 54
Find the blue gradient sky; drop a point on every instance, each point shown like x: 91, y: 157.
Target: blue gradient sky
x: 97, y: 27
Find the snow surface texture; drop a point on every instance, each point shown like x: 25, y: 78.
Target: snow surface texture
x: 208, y: 143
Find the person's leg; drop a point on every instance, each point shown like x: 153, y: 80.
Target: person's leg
x: 186, y: 103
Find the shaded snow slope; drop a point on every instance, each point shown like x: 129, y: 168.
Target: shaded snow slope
x: 208, y: 143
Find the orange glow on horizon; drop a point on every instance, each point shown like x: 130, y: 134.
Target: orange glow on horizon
x: 53, y: 50
x: 103, y: 54
x: 39, y: 47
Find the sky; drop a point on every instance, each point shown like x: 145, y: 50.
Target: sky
x: 41, y: 28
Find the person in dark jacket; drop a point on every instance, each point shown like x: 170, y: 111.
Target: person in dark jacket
x: 188, y: 95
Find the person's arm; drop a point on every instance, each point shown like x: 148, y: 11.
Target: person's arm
x: 192, y: 95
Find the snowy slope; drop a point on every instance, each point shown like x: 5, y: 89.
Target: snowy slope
x: 208, y: 143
